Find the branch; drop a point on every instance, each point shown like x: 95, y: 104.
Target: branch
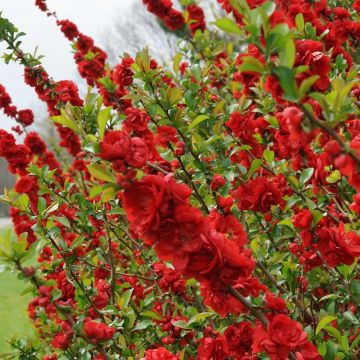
x: 322, y: 125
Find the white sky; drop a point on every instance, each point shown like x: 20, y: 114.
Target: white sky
x: 92, y: 18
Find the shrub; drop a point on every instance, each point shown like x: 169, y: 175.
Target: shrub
x: 210, y: 209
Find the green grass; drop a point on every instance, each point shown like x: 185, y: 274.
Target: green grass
x: 13, y: 314
x: 14, y: 320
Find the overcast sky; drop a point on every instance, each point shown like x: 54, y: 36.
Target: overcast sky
x: 93, y: 18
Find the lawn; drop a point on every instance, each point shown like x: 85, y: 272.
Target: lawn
x: 13, y: 315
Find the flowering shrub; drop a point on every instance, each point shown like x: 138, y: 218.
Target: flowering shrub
x: 210, y: 206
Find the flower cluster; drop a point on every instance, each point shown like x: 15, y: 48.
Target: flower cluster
x: 163, y: 9
x: 24, y: 117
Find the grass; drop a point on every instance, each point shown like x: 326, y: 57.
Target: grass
x: 14, y: 320
x: 13, y: 314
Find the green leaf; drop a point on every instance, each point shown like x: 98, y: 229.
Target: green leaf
x: 256, y: 163
x: 150, y: 314
x: 22, y: 202
x: 108, y: 194
x: 64, y: 120
x: 182, y: 324
x: 299, y: 21
x: 249, y: 63
x: 123, y: 302
x: 196, y: 318
x: 142, y: 325
x: 102, y: 118
x: 173, y: 94
x: 331, y: 349
x: 62, y: 220
x: 27, y: 290
x: 323, y: 322
x: 19, y: 246
x: 199, y: 119
x: 287, y: 82
x: 306, y: 175
x: 269, y: 156
x: 306, y: 85
x: 176, y: 62
x: 287, y: 53
x: 53, y: 207
x: 286, y: 222
x: 317, y: 216
x: 101, y: 172
x: 55, y: 294
x: 41, y: 205
x: 334, y: 177
x: 96, y: 190
x: 335, y: 332
x: 350, y: 316
x: 228, y: 25
x: 190, y: 100
x: 355, y: 343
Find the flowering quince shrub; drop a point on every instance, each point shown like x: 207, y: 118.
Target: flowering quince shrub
x: 202, y: 209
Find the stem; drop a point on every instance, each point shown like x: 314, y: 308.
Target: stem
x: 272, y: 279
x: 111, y: 262
x: 322, y: 125
x: 256, y: 312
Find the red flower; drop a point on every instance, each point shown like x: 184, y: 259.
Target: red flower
x: 218, y: 260
x: 122, y: 73
x: 286, y: 332
x: 229, y: 226
x: 68, y: 91
x: 212, y: 348
x: 68, y: 28
x: 157, y: 209
x: 34, y: 142
x: 152, y: 198
x: 61, y: 341
x: 115, y: 145
x: 308, y: 352
x: 174, y: 20
x: 139, y: 153
x: 7, y: 142
x: 196, y: 17
x: 27, y: 184
x: 91, y: 70
x: 84, y: 43
x: 137, y: 120
x: 19, y: 156
x: 351, y: 243
x: 217, y: 182
x: 41, y: 5
x: 102, y: 297
x: 159, y: 354
x: 356, y: 5
x: 239, y: 338
x: 283, y: 335
x: 5, y: 99
x: 258, y: 194
x: 158, y: 7
x: 25, y: 117
x: 221, y: 302
x: 333, y: 247
x: 96, y: 331
x: 303, y: 219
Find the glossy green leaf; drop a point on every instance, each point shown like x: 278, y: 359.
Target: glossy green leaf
x: 198, y: 120
x: 102, y: 119
x: 323, y: 322
x: 101, y: 172
x: 228, y: 25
